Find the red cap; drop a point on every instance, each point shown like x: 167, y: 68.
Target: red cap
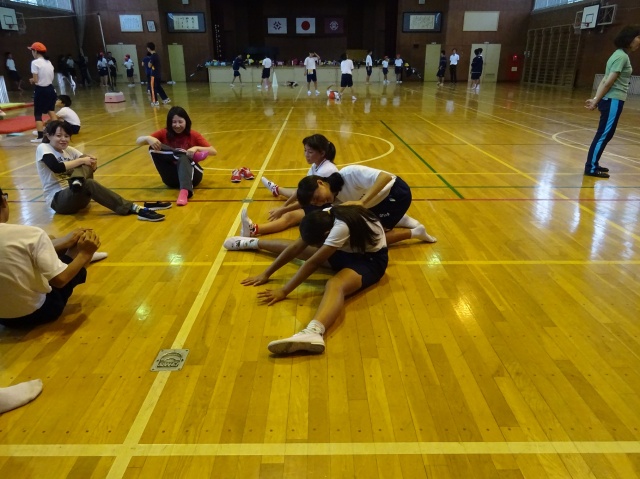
x: 39, y: 47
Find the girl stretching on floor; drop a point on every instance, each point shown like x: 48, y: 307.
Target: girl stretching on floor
x: 319, y: 153
x: 176, y: 151
x: 348, y: 239
x: 387, y: 195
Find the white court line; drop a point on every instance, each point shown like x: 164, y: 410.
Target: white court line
x: 121, y: 462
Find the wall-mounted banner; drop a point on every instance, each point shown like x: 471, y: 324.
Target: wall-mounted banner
x: 305, y: 25
x: 334, y: 25
x: 277, y: 25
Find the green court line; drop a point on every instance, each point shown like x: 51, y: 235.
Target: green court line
x: 118, y: 157
x: 456, y: 192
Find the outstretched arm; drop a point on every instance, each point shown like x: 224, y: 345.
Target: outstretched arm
x: 381, y: 181
x: 290, y: 252
x: 153, y: 142
x: 318, y: 259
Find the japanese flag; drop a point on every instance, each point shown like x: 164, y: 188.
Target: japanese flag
x: 277, y: 25
x: 305, y: 25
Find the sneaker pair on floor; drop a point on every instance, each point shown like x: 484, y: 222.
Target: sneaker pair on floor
x: 238, y: 174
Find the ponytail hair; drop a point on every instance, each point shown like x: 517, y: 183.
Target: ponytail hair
x: 320, y: 143
x: 315, y: 227
x: 309, y: 184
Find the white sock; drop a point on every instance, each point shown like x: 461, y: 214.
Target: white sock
x: 135, y: 208
x: 421, y: 233
x: 19, y: 395
x: 315, y: 327
x: 408, y: 222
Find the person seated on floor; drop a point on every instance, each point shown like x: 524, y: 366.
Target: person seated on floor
x: 38, y: 273
x: 67, y: 114
x: 67, y: 179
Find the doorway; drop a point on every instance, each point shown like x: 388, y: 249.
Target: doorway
x: 491, y: 57
x: 119, y: 51
x: 431, y: 62
x: 176, y: 63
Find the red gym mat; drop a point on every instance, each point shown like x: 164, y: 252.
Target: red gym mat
x: 18, y: 123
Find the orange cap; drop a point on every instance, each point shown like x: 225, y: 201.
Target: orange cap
x: 37, y: 46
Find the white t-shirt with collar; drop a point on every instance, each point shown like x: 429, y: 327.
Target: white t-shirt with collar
x: 339, y: 237
x: 324, y: 169
x: 346, y: 66
x: 368, y: 61
x: 454, y: 58
x: 358, y: 180
x: 266, y: 63
x: 54, y: 182
x: 28, y: 261
x: 67, y: 114
x: 310, y: 63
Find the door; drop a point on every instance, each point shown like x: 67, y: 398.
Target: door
x: 176, y: 63
x: 431, y: 62
x: 118, y: 52
x: 491, y: 56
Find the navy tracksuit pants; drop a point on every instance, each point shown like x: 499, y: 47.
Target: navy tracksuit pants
x: 610, y: 110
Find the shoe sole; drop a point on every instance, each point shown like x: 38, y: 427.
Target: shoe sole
x: 157, y: 208
x: 245, y: 224
x: 286, y: 347
x: 235, y: 181
x: 155, y: 220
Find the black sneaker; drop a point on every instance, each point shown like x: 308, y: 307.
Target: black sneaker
x: 602, y: 168
x: 597, y: 174
x: 157, y: 205
x: 145, y: 214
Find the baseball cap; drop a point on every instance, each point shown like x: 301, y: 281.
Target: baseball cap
x: 37, y: 46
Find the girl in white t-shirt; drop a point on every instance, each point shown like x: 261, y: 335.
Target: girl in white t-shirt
x: 44, y: 95
x: 387, y: 195
x: 319, y: 153
x: 348, y: 239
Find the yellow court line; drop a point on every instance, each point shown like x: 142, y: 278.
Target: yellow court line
x: 560, y: 195
x: 120, y: 464
x: 321, y: 449
x: 432, y: 262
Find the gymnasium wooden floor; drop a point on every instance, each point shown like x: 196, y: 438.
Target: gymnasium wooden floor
x: 509, y: 349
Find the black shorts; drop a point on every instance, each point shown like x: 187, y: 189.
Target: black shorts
x: 370, y: 266
x: 346, y: 80
x: 103, y: 72
x: 369, y: 70
x: 312, y: 77
x: 391, y: 210
x: 385, y: 71
x: 475, y: 76
x: 74, y: 128
x: 129, y: 72
x: 266, y: 72
x: 236, y: 73
x: 54, y: 303
x: 44, y: 100
x: 15, y: 76
x: 398, y: 70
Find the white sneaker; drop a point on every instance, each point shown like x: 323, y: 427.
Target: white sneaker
x: 35, y: 132
x: 309, y: 93
x: 271, y: 185
x: 246, y: 225
x: 231, y: 85
x: 99, y: 256
x: 36, y: 140
x: 240, y: 243
x: 167, y: 101
x: 317, y: 92
x: 353, y: 98
x: 303, y: 341
x: 259, y: 86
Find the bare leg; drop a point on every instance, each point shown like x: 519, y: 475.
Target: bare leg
x: 343, y: 284
x: 286, y: 221
x: 277, y: 246
x: 286, y: 192
x: 396, y: 235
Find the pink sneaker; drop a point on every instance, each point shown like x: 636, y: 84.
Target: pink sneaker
x: 235, y: 176
x: 183, y: 198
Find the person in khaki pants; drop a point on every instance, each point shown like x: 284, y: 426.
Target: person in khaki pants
x: 67, y: 178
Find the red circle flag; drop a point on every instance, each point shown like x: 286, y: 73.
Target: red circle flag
x: 305, y: 25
